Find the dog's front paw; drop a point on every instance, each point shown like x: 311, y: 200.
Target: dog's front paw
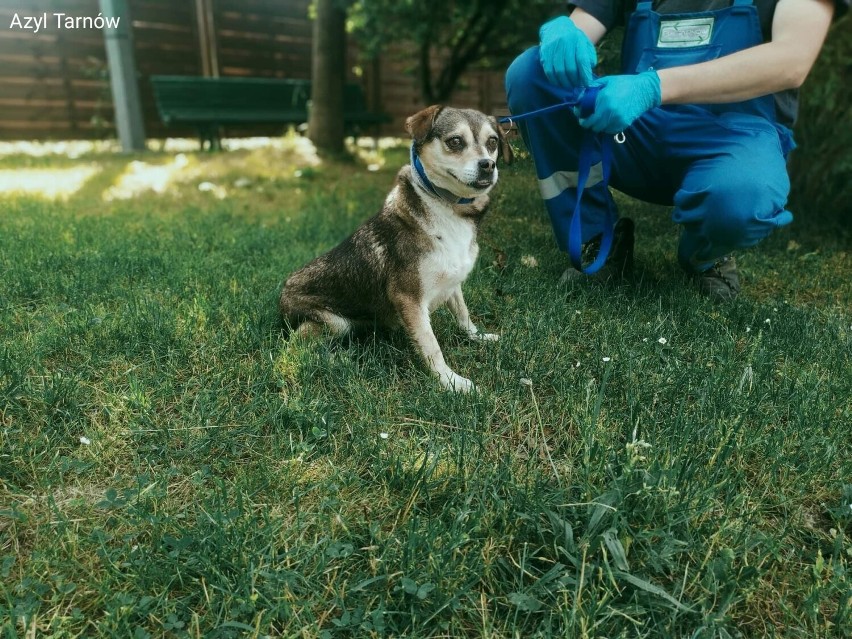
x: 452, y: 381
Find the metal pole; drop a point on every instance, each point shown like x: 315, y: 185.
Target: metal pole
x: 207, y: 38
x: 122, y: 76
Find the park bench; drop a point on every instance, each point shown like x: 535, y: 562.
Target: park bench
x: 210, y: 103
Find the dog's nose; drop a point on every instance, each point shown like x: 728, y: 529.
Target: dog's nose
x: 486, y: 164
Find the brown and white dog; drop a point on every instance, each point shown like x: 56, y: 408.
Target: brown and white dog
x: 415, y: 253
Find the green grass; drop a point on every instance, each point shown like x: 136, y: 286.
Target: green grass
x: 235, y: 484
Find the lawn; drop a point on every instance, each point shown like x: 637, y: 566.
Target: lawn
x: 637, y: 462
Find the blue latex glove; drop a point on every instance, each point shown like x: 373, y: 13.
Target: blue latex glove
x: 622, y: 99
x: 567, y: 56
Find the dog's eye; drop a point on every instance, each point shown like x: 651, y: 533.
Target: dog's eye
x: 491, y: 145
x: 455, y: 143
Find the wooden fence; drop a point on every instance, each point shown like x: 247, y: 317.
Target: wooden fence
x: 54, y: 84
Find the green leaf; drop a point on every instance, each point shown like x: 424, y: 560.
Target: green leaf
x: 14, y: 514
x: 603, y: 507
x: 616, y: 549
x: 339, y: 550
x: 649, y: 587
x: 366, y: 582
x: 424, y: 590
x: 525, y: 602
x: 6, y: 565
x: 409, y: 586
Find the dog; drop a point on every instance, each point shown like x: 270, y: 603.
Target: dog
x: 414, y: 255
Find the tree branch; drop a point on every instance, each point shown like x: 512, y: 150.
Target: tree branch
x: 426, y: 73
x: 469, y: 47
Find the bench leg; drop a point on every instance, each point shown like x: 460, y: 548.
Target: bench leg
x: 208, y: 135
x: 202, y: 137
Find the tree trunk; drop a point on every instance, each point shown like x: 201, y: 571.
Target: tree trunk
x: 328, y: 72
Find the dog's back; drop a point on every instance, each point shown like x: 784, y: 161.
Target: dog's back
x: 351, y: 280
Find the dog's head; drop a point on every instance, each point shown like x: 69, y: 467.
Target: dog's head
x: 459, y: 148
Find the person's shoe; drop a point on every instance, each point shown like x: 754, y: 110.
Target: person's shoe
x: 720, y: 282
x: 619, y: 264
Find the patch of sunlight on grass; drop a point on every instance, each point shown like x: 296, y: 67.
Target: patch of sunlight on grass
x: 69, y: 148
x: 140, y: 177
x: 267, y: 158
x: 48, y: 183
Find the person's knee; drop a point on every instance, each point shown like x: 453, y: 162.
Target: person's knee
x: 522, y: 78
x: 741, y: 211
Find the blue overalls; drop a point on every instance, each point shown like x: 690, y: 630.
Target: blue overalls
x: 722, y: 166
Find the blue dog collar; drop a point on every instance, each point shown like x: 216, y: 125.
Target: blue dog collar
x: 444, y: 194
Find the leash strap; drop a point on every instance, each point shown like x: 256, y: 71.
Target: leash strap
x: 575, y: 236
x: 586, y: 104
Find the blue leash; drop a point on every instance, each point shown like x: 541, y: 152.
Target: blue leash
x: 586, y: 103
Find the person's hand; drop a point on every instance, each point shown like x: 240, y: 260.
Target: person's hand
x: 622, y: 99
x: 567, y: 55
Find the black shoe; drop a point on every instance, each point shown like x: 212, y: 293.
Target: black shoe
x: 720, y: 282
x: 619, y: 264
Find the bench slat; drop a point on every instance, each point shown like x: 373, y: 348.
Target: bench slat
x: 210, y: 102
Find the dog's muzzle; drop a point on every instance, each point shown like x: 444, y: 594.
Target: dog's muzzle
x: 485, y: 174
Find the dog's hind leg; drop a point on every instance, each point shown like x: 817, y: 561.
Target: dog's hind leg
x: 324, y: 322
x: 309, y: 321
x: 458, y: 308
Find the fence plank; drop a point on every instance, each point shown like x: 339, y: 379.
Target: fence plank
x: 54, y: 84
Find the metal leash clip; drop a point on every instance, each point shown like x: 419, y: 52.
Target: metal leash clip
x: 619, y: 137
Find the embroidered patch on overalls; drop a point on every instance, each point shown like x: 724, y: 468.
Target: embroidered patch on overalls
x: 694, y: 32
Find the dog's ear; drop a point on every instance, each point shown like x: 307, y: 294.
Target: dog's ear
x: 506, y: 152
x: 420, y: 124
